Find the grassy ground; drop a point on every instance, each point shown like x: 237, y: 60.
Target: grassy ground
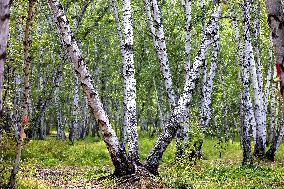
x: 52, y: 163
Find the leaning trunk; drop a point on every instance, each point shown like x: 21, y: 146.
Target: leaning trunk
x: 178, y: 114
x: 119, y: 160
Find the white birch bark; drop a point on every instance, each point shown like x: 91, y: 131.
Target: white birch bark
x: 4, y: 35
x: 245, y: 126
x: 75, y: 107
x: 270, y: 154
x: 256, y: 24
x: 130, y: 84
x: 188, y: 27
x: 246, y: 62
x: 273, y: 112
x: 129, y: 102
x: 269, y: 76
x: 16, y: 113
x: 60, y: 129
x: 178, y: 114
x: 239, y: 51
x: 161, y: 48
x: 70, y: 45
x: 208, y: 85
x: 260, y: 144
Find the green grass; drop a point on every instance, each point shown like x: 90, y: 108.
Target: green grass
x: 53, y: 153
x: 213, y: 171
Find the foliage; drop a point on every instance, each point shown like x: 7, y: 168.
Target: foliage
x: 8, y: 150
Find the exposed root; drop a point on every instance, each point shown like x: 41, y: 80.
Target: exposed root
x: 142, y: 179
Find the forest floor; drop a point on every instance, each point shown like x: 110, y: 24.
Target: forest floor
x: 86, y: 164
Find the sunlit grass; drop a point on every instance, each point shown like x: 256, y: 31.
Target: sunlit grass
x: 220, y: 167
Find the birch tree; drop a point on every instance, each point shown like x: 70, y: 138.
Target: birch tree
x: 178, y: 114
x: 158, y: 35
x: 126, y: 41
x: 130, y: 84
x: 247, y: 59
x: 4, y: 34
x: 119, y: 159
x: 26, y: 97
x: 260, y: 114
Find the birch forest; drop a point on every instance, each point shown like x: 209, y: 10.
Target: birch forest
x: 141, y: 94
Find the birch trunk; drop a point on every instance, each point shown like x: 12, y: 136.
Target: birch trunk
x: 130, y: 84
x: 126, y: 41
x: 75, y: 106
x: 256, y: 24
x: 26, y: 97
x: 57, y: 81
x: 273, y: 114
x: 16, y: 113
x: 270, y: 154
x: 269, y: 76
x: 188, y: 28
x: 260, y: 144
x: 122, y: 167
x: 208, y: 85
x: 248, y: 63
x: 4, y: 35
x: 182, y: 133
x: 206, y: 96
x: 158, y: 35
x: 178, y: 114
x: 245, y: 126
x: 239, y: 51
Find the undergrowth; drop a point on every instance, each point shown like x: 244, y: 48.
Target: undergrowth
x: 89, y: 160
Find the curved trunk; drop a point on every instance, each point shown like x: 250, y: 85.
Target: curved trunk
x: 119, y: 160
